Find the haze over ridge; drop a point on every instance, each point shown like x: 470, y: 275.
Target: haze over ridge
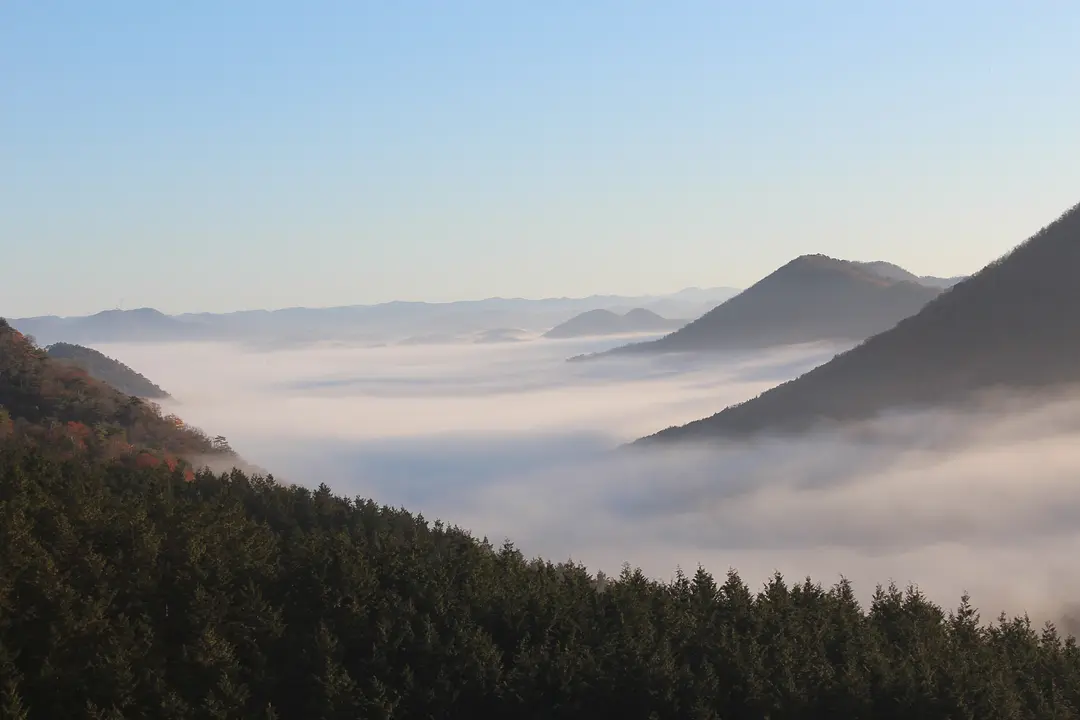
x: 1011, y: 324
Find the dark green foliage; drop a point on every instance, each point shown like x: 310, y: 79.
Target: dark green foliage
x: 127, y: 592
x: 107, y: 370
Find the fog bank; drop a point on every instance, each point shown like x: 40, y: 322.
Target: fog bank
x: 511, y: 442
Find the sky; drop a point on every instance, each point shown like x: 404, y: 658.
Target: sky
x: 209, y: 156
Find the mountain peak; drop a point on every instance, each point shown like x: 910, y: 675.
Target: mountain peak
x: 1011, y: 325
x: 607, y: 322
x: 809, y: 299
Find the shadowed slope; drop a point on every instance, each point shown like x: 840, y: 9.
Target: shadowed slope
x: 895, y: 272
x: 106, y: 369
x: 1012, y: 325
x: 812, y: 298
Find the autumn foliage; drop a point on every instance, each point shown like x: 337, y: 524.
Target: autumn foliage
x: 57, y: 405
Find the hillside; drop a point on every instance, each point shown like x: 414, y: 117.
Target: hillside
x: 1012, y: 325
x: 895, y: 272
x: 128, y: 596
x: 812, y: 298
x: 104, y: 368
x: 55, y: 404
x: 606, y: 322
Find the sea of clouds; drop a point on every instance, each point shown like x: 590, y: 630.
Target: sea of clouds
x: 510, y: 441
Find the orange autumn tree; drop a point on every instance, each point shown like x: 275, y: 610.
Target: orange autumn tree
x: 55, y: 404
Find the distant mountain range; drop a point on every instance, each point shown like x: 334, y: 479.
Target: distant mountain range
x: 386, y: 322
x: 104, y: 368
x: 810, y: 299
x: 1013, y: 325
x: 606, y: 322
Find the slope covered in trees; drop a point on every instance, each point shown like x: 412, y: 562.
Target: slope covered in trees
x: 60, y: 407
x: 811, y: 299
x: 606, y: 322
x: 125, y: 593
x: 104, y: 368
x: 1012, y: 325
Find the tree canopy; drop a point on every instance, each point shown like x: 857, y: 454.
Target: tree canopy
x: 127, y: 592
x: 109, y: 370
x: 58, y: 406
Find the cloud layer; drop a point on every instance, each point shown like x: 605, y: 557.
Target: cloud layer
x: 511, y: 442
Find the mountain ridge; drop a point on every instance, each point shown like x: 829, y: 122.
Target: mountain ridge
x: 108, y: 370
x: 389, y: 321
x: 811, y: 298
x: 895, y: 272
x: 1009, y: 326
x: 606, y: 322
x: 49, y: 402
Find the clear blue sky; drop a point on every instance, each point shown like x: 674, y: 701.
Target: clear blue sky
x: 217, y: 155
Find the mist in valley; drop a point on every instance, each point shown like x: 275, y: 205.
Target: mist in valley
x: 512, y: 442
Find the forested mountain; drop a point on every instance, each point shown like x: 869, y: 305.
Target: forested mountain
x: 1012, y: 325
x: 811, y: 299
x: 125, y: 593
x: 59, y: 406
x: 104, y: 368
x: 606, y: 322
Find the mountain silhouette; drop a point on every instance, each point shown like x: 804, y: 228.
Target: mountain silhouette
x: 142, y: 324
x: 1013, y: 325
x: 500, y: 335
x: 385, y: 322
x: 895, y: 272
x: 606, y: 322
x: 810, y: 299
x: 104, y: 368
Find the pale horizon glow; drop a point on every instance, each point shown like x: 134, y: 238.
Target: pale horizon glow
x: 225, y: 156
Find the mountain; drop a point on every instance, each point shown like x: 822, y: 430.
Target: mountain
x: 497, y: 336
x: 104, y: 368
x: 56, y: 404
x: 128, y: 595
x: 143, y: 324
x: 606, y: 322
x: 1013, y: 325
x: 895, y: 272
x: 385, y: 322
x: 812, y: 298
